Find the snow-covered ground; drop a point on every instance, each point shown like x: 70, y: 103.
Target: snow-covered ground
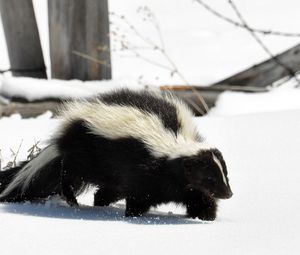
x: 257, y: 133
x: 262, y: 152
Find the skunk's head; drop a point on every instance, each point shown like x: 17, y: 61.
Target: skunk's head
x: 207, y: 171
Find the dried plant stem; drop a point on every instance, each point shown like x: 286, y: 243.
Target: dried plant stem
x: 162, y: 49
x: 1, y: 159
x: 150, y: 45
x: 88, y: 57
x: 14, y: 161
x: 197, y: 93
x: 33, y: 150
x: 150, y: 61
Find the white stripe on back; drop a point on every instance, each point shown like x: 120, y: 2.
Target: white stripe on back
x: 119, y: 121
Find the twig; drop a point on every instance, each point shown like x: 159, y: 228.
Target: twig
x: 4, y: 71
x: 241, y: 25
x: 138, y: 55
x: 3, y: 101
x: 289, y: 70
x: 13, y: 163
x: 136, y: 32
x: 16, y: 155
x: 194, y: 104
x: 93, y: 59
x: 1, y: 159
x: 149, y: 44
x: 34, y: 70
x: 33, y: 150
x: 152, y: 18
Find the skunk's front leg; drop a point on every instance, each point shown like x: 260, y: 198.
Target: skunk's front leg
x: 199, y: 204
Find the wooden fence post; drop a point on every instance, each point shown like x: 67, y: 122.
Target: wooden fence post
x: 22, y: 37
x: 79, y: 39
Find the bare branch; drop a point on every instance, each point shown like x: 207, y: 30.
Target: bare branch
x: 289, y: 70
x: 241, y: 25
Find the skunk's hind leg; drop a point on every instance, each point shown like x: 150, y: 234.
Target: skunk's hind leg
x: 67, y: 186
x: 6, y: 178
x: 105, y: 196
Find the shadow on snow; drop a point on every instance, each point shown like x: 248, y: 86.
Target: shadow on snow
x: 110, y: 213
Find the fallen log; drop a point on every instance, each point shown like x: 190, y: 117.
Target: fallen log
x: 267, y: 72
x: 210, y: 94
x: 218, y: 87
x: 28, y: 110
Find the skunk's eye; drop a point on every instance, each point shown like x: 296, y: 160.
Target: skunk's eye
x: 202, y: 165
x: 210, y: 180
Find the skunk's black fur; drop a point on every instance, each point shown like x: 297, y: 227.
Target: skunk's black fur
x: 123, y: 166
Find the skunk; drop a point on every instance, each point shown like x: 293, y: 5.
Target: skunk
x: 139, y: 146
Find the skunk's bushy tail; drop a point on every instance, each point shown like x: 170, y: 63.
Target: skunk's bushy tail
x: 35, y: 179
x: 7, y: 176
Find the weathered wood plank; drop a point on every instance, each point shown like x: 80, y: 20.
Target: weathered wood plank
x: 22, y: 37
x: 218, y: 88
x: 210, y: 94
x: 267, y: 72
x: 78, y: 28
x: 28, y: 110
x: 192, y: 99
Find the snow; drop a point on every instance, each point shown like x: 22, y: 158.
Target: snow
x: 37, y: 89
x: 235, y: 103
x: 257, y: 133
x: 262, y: 151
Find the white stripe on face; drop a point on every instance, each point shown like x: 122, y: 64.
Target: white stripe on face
x: 217, y: 161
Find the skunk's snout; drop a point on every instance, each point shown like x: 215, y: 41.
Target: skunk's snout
x: 224, y: 195
x: 228, y: 194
